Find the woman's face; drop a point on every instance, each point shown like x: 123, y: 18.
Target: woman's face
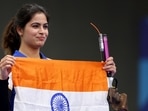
x: 35, y: 32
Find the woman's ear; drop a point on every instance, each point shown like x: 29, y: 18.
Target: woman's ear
x: 19, y: 31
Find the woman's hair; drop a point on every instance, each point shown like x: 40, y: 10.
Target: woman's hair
x: 10, y: 38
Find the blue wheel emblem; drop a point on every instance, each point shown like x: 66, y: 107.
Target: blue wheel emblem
x: 59, y: 102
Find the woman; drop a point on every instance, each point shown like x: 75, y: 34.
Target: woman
x: 23, y: 37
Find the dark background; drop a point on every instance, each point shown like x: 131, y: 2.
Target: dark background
x: 73, y: 38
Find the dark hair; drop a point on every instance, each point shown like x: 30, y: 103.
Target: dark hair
x: 10, y: 38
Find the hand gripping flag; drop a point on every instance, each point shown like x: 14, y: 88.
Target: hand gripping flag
x: 59, y: 85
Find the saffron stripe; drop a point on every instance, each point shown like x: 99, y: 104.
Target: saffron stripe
x: 64, y: 75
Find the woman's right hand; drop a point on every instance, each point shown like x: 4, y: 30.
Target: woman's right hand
x: 6, y: 64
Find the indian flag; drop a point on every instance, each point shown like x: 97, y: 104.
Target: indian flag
x: 59, y: 85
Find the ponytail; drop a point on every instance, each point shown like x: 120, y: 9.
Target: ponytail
x: 10, y: 38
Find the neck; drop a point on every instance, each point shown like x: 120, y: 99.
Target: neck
x: 32, y: 53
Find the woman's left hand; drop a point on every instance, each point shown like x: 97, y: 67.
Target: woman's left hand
x: 110, y: 66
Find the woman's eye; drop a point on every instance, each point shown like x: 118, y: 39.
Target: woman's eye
x: 35, y: 26
x: 45, y: 26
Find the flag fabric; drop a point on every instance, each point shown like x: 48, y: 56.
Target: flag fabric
x: 59, y: 85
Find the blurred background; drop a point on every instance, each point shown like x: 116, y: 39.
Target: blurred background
x: 73, y: 38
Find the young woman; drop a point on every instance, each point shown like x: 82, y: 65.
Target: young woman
x: 25, y: 34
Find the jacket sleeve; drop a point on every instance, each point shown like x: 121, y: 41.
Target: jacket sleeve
x: 4, y: 100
